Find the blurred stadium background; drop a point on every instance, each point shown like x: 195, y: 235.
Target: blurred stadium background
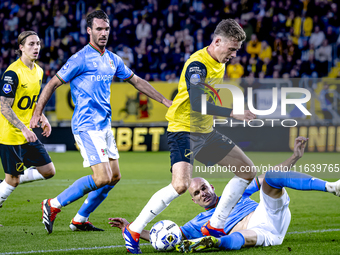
x: 289, y: 43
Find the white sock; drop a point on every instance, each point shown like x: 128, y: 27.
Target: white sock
x: 331, y: 187
x: 5, y: 191
x: 55, y: 203
x: 157, y: 203
x: 231, y: 195
x: 79, y: 218
x: 31, y: 174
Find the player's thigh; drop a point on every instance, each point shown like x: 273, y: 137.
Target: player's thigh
x: 214, y: 148
x: 96, y: 146
x: 179, y: 147
x: 35, y: 154
x: 270, y: 219
x: 244, y: 166
x: 15, y: 157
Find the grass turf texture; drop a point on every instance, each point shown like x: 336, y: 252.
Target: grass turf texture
x: 142, y: 175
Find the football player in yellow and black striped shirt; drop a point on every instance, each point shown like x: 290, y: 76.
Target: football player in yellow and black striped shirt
x: 191, y: 135
x: 19, y: 146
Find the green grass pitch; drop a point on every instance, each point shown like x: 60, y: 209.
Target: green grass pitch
x: 314, y: 229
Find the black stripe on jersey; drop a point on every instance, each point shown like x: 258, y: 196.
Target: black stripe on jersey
x: 195, y: 74
x: 8, y: 84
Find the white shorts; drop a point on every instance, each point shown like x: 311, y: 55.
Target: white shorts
x: 96, y: 146
x: 271, y: 219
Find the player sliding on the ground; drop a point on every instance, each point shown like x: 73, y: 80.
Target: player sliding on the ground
x: 249, y: 223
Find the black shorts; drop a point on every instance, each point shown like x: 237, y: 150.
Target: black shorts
x: 15, y: 157
x: 209, y: 148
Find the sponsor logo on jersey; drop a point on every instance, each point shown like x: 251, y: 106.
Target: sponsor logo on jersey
x: 24, y: 85
x: 95, y: 64
x: 66, y: 66
x: 7, y: 88
x: 8, y: 79
x: 105, y: 77
x: 194, y: 69
x: 111, y: 64
x: 195, y: 78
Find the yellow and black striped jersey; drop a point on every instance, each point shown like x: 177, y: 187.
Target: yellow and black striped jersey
x: 22, y: 84
x: 199, y: 75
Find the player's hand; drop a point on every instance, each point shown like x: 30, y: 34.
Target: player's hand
x: 167, y: 102
x: 29, y: 135
x: 248, y: 115
x: 299, y: 146
x: 35, y: 121
x: 118, y: 222
x: 47, y: 129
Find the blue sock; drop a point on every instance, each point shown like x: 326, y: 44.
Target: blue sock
x: 93, y: 200
x: 78, y: 189
x: 233, y: 241
x: 294, y: 180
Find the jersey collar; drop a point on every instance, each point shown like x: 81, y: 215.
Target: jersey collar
x: 96, y: 49
x: 214, y: 205
x: 210, y: 58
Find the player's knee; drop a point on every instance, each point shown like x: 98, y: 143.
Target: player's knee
x: 115, y: 179
x: 181, y: 188
x: 102, y: 181
x: 250, y: 173
x: 49, y: 173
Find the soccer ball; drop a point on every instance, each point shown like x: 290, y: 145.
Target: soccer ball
x: 165, y: 235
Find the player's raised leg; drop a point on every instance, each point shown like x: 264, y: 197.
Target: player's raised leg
x: 245, y: 172
x: 275, y: 181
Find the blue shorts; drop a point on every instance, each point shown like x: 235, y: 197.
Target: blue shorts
x: 15, y: 157
x: 207, y: 148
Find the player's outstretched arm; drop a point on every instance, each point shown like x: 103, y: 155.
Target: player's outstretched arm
x: 146, y: 88
x: 46, y: 94
x: 121, y: 223
x: 299, y: 149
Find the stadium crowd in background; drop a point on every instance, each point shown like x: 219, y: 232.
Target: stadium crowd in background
x: 285, y: 39
x: 155, y: 38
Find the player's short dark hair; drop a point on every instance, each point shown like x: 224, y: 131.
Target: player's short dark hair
x: 99, y: 14
x: 231, y: 30
x: 22, y: 40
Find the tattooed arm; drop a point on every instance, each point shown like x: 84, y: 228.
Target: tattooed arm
x: 6, y: 110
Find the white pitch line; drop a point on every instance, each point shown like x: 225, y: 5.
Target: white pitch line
x: 70, y: 249
x: 123, y: 246
x: 313, y: 231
